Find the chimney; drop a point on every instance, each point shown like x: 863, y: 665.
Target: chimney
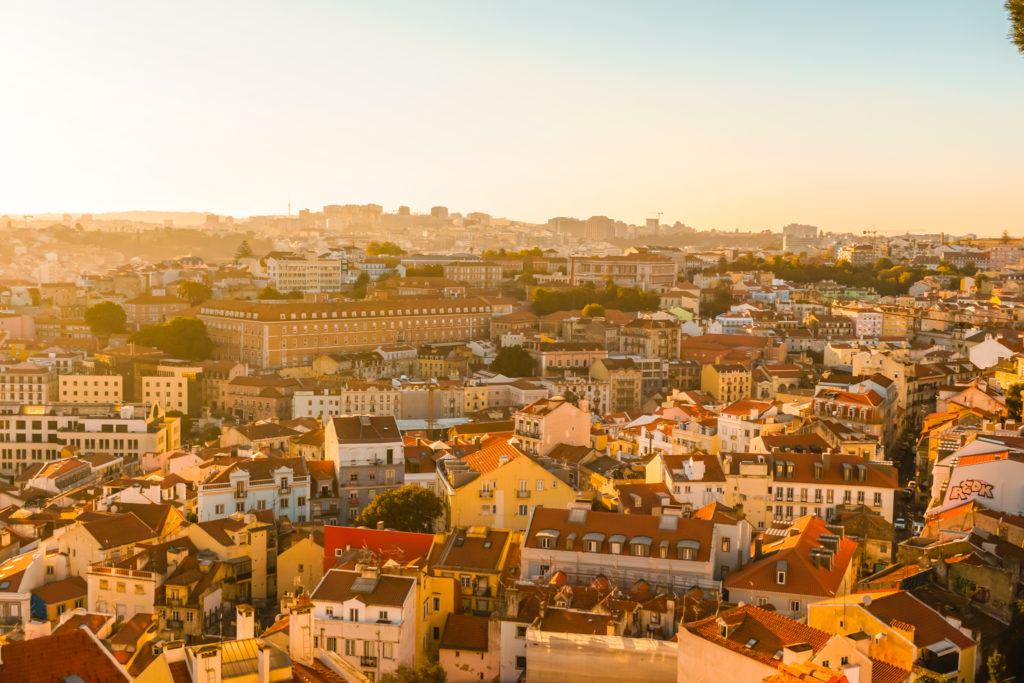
x: 263, y: 663
x: 245, y: 622
x: 797, y: 652
x: 758, y: 548
x: 37, y: 628
x: 174, y: 651
x: 300, y: 634
x: 208, y: 665
x: 380, y: 525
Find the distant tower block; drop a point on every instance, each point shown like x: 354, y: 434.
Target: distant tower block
x: 652, y: 226
x: 439, y: 212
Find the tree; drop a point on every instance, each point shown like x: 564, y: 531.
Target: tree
x: 105, y: 318
x: 243, y: 251
x: 209, y: 433
x: 361, y: 286
x: 425, y: 673
x: 407, y: 508
x: 194, y: 292
x: 514, y: 361
x: 593, y: 311
x: 269, y: 292
x: 1014, y: 401
x: 1015, y: 8
x: 179, y: 337
x: 997, y: 671
x: 383, y: 249
x: 436, y: 270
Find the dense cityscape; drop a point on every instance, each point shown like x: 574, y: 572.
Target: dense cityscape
x: 358, y: 445
x: 533, y: 342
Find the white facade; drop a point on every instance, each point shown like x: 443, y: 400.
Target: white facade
x: 375, y: 637
x: 169, y: 392
x: 312, y: 273
x: 90, y: 389
x: 285, y: 491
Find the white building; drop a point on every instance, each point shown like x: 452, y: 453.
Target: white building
x: 262, y: 483
x: 670, y: 550
x: 90, y: 389
x: 368, y: 455
x: 367, y: 618
x: 306, y: 273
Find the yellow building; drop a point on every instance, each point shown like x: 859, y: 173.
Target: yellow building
x: 242, y: 541
x: 475, y: 557
x: 903, y: 631
x: 725, y: 382
x: 300, y: 567
x: 499, y: 486
x: 896, y: 322
x: 61, y: 596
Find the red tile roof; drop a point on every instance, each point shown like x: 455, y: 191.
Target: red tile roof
x: 803, y: 576
x: 769, y: 632
x: 53, y: 658
x: 929, y: 626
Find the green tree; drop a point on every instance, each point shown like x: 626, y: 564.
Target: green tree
x: 243, y: 251
x: 425, y: 673
x: 1014, y: 400
x: 514, y: 361
x: 720, y: 302
x: 209, y: 433
x: 407, y: 508
x: 996, y: 664
x: 383, y: 249
x: 269, y: 292
x: 593, y: 311
x: 186, y: 422
x: 105, y: 318
x: 194, y: 292
x: 179, y: 337
x: 1015, y: 8
x: 360, y: 288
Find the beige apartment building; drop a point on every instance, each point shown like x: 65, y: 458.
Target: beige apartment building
x: 268, y: 334
x: 474, y: 273
x: 642, y: 271
x: 90, y: 388
x: 170, y: 392
x: 27, y: 383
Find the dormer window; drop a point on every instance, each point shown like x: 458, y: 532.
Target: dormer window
x: 781, y: 569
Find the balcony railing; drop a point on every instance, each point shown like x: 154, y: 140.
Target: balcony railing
x: 368, y: 661
x: 241, y: 494
x: 174, y: 624
x: 486, y: 493
x: 522, y: 494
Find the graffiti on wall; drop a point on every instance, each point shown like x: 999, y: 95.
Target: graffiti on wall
x: 971, y: 487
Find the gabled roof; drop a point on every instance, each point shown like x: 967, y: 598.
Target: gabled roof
x: 57, y: 658
x: 929, y: 626
x: 766, y: 633
x: 387, y: 590
x: 119, y: 529
x: 804, y: 576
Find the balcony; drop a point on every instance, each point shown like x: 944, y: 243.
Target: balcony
x: 174, y: 624
x: 285, y: 490
x: 486, y: 493
x: 522, y: 494
x: 241, y: 494
x: 368, y: 661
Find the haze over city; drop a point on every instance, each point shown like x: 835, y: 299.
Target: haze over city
x: 870, y: 115
x: 478, y: 342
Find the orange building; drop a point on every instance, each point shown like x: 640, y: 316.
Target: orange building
x: 276, y: 334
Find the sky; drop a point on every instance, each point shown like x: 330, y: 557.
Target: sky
x: 852, y: 116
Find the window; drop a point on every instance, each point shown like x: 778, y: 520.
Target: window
x: 520, y: 662
x: 350, y: 647
x: 540, y: 484
x: 762, y: 601
x: 520, y: 631
x: 523, y: 511
x: 353, y: 614
x: 794, y: 605
x: 387, y: 650
x: 218, y: 509
x: 726, y: 542
x: 466, y: 580
x: 382, y: 615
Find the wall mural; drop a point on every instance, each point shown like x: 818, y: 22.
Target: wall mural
x: 971, y: 487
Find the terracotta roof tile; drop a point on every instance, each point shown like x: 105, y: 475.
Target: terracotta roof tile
x: 54, y: 658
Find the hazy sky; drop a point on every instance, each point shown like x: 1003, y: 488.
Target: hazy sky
x: 903, y: 114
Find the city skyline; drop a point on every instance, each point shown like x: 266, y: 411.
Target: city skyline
x: 715, y: 119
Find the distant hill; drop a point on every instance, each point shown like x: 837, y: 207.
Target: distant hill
x: 180, y: 218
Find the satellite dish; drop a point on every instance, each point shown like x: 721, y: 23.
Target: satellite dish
x: 867, y: 600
